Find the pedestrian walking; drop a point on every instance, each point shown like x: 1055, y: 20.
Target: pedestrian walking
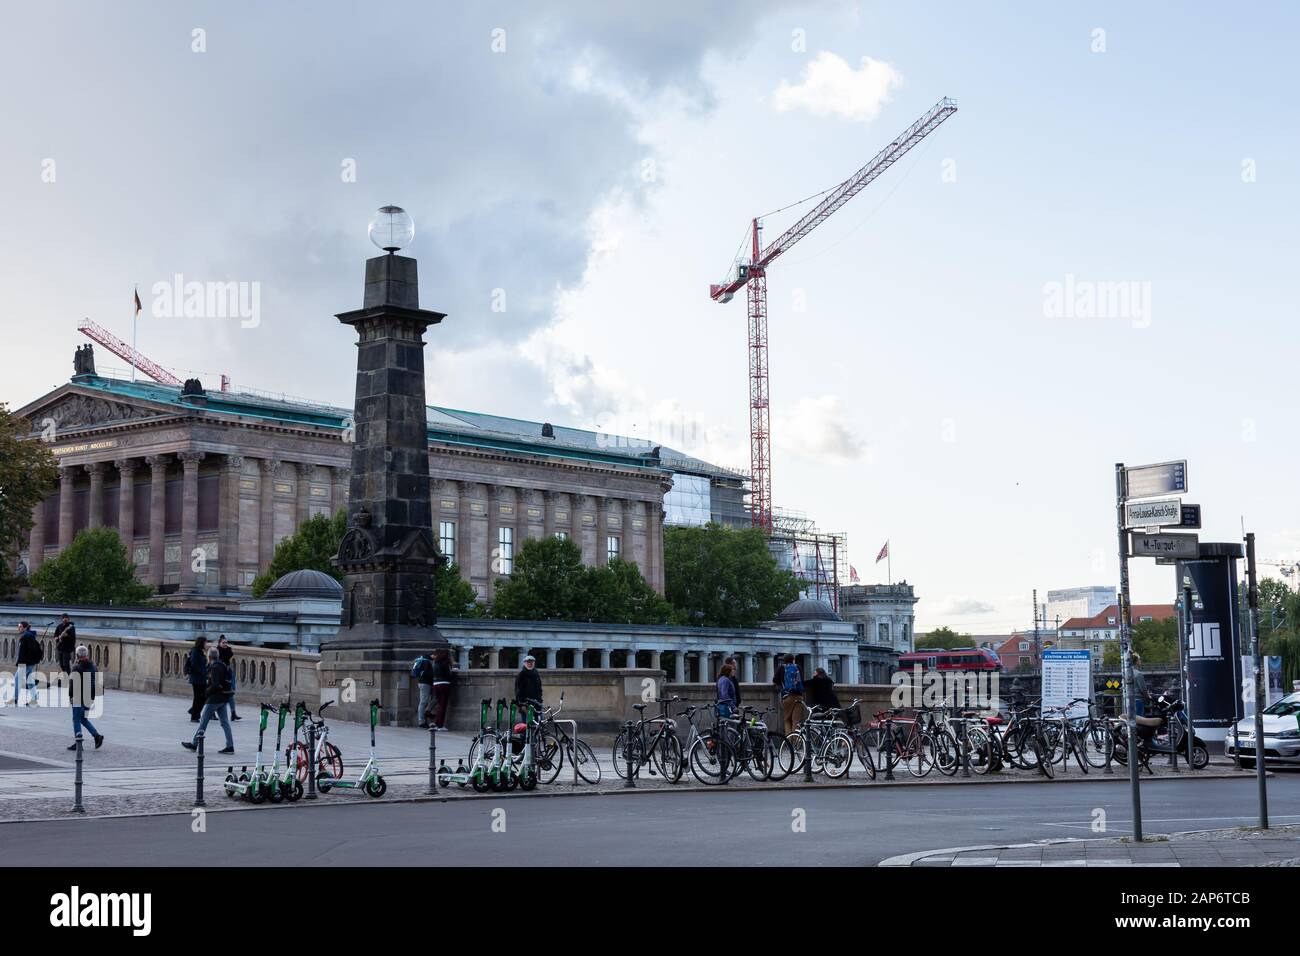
x: 65, y: 643
x: 791, y: 695
x: 29, y: 655
x: 196, y: 672
x: 422, y: 671
x: 726, y: 687
x: 83, y: 695
x: 1140, y: 694
x: 216, y: 701
x: 227, y: 654
x: 442, y: 678
x: 528, y: 684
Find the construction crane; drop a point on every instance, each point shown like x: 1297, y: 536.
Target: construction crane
x: 125, y: 352
x: 752, y: 273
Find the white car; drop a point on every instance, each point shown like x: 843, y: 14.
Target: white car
x: 1281, y: 734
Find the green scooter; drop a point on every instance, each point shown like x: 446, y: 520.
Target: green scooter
x: 252, y: 787
x: 284, y: 785
x: 370, y: 781
x: 527, y: 772
x: 502, y: 774
x: 483, y: 750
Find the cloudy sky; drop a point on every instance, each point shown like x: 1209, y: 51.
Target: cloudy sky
x: 949, y: 369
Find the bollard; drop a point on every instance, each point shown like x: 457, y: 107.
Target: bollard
x: 76, y: 799
x: 1110, y: 753
x: 433, y: 760
x: 807, y: 752
x: 965, y: 748
x: 630, y: 781
x: 198, y: 782
x: 888, y: 733
x: 311, y: 762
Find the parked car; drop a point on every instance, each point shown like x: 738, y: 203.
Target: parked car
x: 1281, y: 734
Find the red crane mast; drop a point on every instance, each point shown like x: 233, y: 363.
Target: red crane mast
x: 752, y: 274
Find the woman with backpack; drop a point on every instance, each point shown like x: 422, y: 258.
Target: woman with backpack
x: 29, y: 655
x: 196, y: 672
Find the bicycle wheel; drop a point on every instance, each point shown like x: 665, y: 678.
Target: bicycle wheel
x: 864, y: 753
x: 1098, y: 743
x: 1042, y: 757
x: 837, y: 754
x: 332, y: 760
x: 981, y: 750
x: 921, y: 755
x: 782, y: 763
x: 549, y: 756
x: 668, y: 757
x: 947, y: 751
x: 758, y: 756
x: 584, y: 759
x: 626, y: 748
x: 710, y: 759
x: 879, y: 749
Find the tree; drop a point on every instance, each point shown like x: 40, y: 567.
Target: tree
x: 27, y: 472
x: 550, y: 582
x: 723, y: 577
x: 1156, y: 642
x: 944, y: 637
x: 312, y: 547
x: 94, y: 569
x: 315, y: 544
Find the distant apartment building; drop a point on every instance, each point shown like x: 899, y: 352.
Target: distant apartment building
x: 1094, y: 633
x: 1068, y: 603
x: 1020, y: 652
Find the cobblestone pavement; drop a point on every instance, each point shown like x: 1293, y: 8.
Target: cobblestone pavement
x: 1238, y: 846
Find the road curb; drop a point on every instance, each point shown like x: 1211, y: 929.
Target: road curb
x: 907, y: 859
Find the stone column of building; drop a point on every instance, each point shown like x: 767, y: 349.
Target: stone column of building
x: 232, y: 469
x: 548, y: 514
x: 189, y: 516
x: 493, y: 538
x: 550, y: 658
x: 494, y: 658
x: 338, y: 490
x: 157, y: 516
x: 655, y: 659
x: 96, y: 471
x: 747, y: 668
x: 266, y: 512
x: 67, y: 505
x: 36, y: 543
x: 302, y: 494
x: 126, y: 504
x: 578, y: 661
x: 654, y: 539
x: 679, y: 667
x: 584, y: 534
x: 604, y: 657
x: 462, y: 657
x: 471, y: 564
x: 531, y: 513
x: 602, y: 531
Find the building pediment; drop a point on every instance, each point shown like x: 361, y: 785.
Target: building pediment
x: 68, y: 409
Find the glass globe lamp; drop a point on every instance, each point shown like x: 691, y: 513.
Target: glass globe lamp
x: 391, y: 228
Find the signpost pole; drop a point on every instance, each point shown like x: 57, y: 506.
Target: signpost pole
x: 1257, y: 662
x: 1125, y: 649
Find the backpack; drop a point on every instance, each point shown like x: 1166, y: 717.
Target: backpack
x: 418, y: 667
x: 793, y: 683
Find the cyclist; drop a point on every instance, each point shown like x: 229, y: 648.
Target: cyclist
x: 726, y: 690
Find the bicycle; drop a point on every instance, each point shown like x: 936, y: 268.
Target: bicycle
x: 710, y: 756
x: 327, y: 756
x: 895, y: 739
x: 751, y: 743
x: 661, y: 748
x: 552, y: 745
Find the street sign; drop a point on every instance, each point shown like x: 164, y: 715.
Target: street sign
x: 1164, y: 545
x: 1191, y: 517
x: 1149, y: 481
x: 1153, y: 513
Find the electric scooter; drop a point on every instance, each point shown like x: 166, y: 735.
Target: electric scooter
x: 283, y: 785
x: 252, y: 787
x: 527, y: 772
x: 503, y: 768
x: 484, y: 750
x: 370, y: 781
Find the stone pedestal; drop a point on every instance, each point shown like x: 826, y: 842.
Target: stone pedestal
x: 388, y: 553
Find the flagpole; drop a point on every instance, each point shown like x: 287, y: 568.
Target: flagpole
x: 135, y: 322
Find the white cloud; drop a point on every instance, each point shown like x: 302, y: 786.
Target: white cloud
x: 961, y: 606
x: 831, y: 87
x: 818, y: 428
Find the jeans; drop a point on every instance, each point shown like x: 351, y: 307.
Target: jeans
x: 26, y: 670
x: 220, y: 711
x: 426, y: 695
x: 79, y: 720
x: 442, y: 697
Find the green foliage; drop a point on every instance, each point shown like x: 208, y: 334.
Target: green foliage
x: 716, y: 576
x: 1279, y: 626
x: 550, y: 582
x: 310, y: 548
x: 27, y: 473
x: 94, y: 569
x: 1156, y: 641
x: 456, y: 597
x: 944, y: 637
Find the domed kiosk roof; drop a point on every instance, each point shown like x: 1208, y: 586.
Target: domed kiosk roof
x: 305, y: 583
x: 808, y: 609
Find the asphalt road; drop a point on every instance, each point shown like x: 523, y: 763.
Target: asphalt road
x: 843, y: 827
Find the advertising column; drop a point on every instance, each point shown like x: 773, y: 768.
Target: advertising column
x: 1215, y: 648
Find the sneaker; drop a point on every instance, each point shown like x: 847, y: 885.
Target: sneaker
x: 189, y: 745
x: 99, y: 741
x: 424, y: 726
x: 226, y: 750
x: 235, y: 717
x: 72, y: 747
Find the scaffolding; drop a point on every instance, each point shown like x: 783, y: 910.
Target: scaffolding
x: 816, y: 557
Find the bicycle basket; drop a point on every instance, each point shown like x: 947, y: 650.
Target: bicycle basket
x: 853, y: 716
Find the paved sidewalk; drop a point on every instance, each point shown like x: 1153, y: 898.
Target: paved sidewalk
x: 1277, y: 846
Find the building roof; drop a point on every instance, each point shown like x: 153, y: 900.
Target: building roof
x: 305, y: 583
x: 1155, y: 611
x: 808, y: 609
x: 446, y: 426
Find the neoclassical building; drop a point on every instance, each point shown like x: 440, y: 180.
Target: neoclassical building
x: 202, y: 485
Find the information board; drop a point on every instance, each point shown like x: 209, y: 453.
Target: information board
x: 1067, y: 675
